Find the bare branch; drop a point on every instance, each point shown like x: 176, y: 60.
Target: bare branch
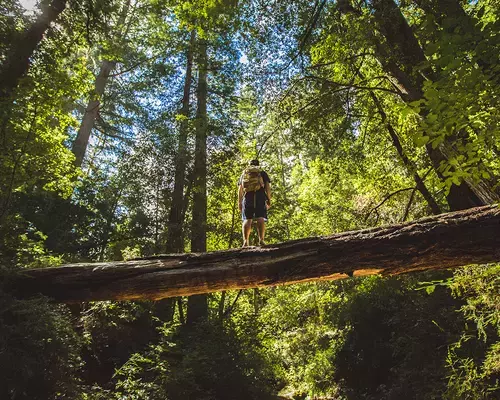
x: 387, y: 198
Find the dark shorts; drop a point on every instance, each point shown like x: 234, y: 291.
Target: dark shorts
x: 253, y: 208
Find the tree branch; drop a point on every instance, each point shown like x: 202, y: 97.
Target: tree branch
x: 231, y: 307
x: 385, y: 199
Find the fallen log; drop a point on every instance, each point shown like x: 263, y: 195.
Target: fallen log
x: 443, y: 241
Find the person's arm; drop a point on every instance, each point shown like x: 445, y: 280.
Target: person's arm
x: 240, y: 197
x: 267, y: 188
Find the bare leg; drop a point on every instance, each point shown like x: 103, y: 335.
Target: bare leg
x: 261, y: 229
x: 246, y: 228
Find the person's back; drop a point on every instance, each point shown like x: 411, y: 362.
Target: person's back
x: 254, y: 199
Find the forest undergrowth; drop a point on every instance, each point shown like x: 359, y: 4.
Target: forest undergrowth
x: 125, y: 126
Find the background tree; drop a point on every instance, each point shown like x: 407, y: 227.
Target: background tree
x: 362, y: 113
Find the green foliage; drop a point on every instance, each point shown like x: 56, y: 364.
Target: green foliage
x: 205, y: 362
x: 113, y: 331
x: 319, y: 102
x: 370, y: 338
x: 474, y: 360
x: 34, y: 158
x: 39, y: 350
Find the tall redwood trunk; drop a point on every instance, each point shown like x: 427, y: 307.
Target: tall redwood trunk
x: 19, y: 59
x: 197, y: 305
x: 91, y: 112
x: 175, y: 242
x: 402, y: 57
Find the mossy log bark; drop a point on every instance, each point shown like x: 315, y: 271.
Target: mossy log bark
x: 438, y: 242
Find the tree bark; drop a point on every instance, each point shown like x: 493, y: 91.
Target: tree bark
x: 197, y: 305
x: 402, y: 57
x: 92, y: 111
x: 175, y: 230
x: 406, y: 161
x: 180, y: 308
x: 18, y: 61
x: 437, y: 242
x: 402, y: 51
x: 110, y: 216
x: 165, y: 309
x: 222, y: 303
x: 175, y: 242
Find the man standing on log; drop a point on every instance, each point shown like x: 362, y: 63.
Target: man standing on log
x: 254, y: 199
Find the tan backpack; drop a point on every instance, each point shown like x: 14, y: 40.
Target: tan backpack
x: 252, y: 179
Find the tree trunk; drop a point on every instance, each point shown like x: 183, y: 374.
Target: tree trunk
x: 175, y: 242
x: 175, y: 231
x: 403, y: 53
x: 180, y: 308
x: 91, y: 112
x: 19, y: 59
x: 406, y: 161
x: 165, y: 309
x: 222, y: 303
x: 111, y: 215
x: 444, y: 241
x: 197, y: 305
x: 402, y: 57
x: 230, y: 241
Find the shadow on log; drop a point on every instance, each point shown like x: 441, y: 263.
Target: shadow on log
x: 443, y: 241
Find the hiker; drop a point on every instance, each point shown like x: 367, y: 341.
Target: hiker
x: 254, y: 199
